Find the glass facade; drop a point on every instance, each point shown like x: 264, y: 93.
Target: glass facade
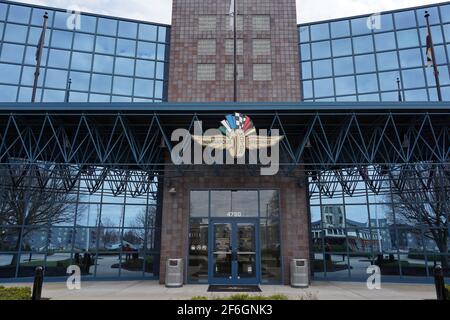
x: 107, y: 231
x: 354, y: 60
x: 401, y: 227
x: 106, y: 59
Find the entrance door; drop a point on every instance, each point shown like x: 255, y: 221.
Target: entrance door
x: 234, y: 251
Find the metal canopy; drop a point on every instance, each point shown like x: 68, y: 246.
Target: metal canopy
x: 77, y: 139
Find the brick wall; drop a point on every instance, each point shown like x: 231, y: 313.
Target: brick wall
x: 175, y: 225
x: 191, y: 23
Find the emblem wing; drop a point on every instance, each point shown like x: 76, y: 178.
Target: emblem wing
x: 256, y: 142
x: 215, y: 142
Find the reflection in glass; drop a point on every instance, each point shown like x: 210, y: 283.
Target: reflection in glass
x: 107, y: 26
x: 12, y: 53
x: 270, y: 250
x: 222, y: 251
x: 15, y: 33
x: 245, y: 203
x: 105, y: 45
x: 20, y: 14
x: 220, y: 203
x: 198, y: 251
x: 148, y: 32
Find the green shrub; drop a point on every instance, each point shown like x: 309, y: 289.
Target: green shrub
x: 15, y: 293
x: 448, y: 292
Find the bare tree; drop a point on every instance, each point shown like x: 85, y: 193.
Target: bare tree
x: 421, y: 198
x: 28, y: 199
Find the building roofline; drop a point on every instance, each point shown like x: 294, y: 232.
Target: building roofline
x: 369, y: 14
x: 304, y: 107
x: 32, y: 5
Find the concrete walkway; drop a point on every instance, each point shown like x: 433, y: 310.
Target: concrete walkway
x: 151, y: 290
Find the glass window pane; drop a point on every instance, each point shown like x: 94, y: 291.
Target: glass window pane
x: 146, y: 50
x: 103, y: 64
x: 307, y: 89
x: 159, y: 90
x: 345, y: 85
x: 15, y: 33
x: 305, y: 52
x: 340, y: 29
x: 386, y: 23
x: 363, y: 44
x: 220, y: 203
x: 388, y: 81
x: 304, y: 34
x: 445, y: 13
x: 105, y: 45
x: 101, y: 83
x: 81, y: 61
x: 7, y: 93
x: 199, y: 204
x: 405, y: 19
x: 56, y: 79
x: 53, y: 96
x: 19, y: 14
x: 322, y: 68
x: 321, y: 50
x: 148, y: 32
x: 80, y: 81
x: 34, y: 35
x: 269, y: 204
x: 24, y: 94
x: 143, y: 88
x: 446, y: 28
x: 3, y: 8
x: 124, y: 66
x: 385, y: 41
x: 343, y: 66
x: 60, y: 20
x: 9, y: 73
x: 145, y: 68
x: 61, y: 39
x: 413, y: 78
x: 387, y: 60
x: 83, y: 42
x: 162, y: 34
x: 123, y: 85
x: 160, y: 68
x: 107, y: 26
x: 342, y: 47
x: 443, y: 76
x: 245, y: 203
x: 161, y: 52
x: 407, y: 38
x: 359, y: 26
x: 127, y: 29
x: 323, y: 88
x: 416, y: 95
x: 126, y: 47
x: 410, y: 58
x: 306, y: 70
x: 365, y: 63
x: 99, y: 98
x: 367, y: 83
x: 12, y: 53
x: 320, y: 31
x: 59, y: 58
x: 28, y: 77
x: 87, y: 23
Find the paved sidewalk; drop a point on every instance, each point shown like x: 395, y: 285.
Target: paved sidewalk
x: 151, y: 290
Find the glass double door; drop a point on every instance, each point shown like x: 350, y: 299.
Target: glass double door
x: 234, y: 251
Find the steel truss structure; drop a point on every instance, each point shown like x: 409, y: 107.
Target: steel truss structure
x: 334, y: 144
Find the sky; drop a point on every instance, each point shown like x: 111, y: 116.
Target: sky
x: 160, y: 10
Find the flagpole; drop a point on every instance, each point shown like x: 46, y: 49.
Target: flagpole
x: 39, y: 57
x: 69, y: 84
x: 433, y: 56
x: 235, y: 52
x: 400, y: 91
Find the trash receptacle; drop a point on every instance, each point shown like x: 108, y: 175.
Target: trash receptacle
x: 174, y: 273
x: 299, y: 273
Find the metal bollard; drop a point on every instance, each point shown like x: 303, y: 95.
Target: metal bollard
x: 439, y: 282
x: 37, y: 284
